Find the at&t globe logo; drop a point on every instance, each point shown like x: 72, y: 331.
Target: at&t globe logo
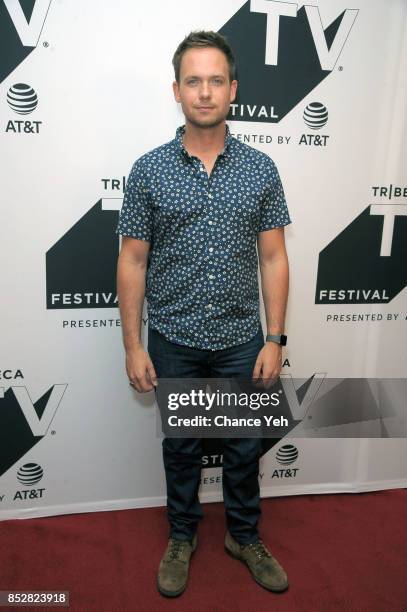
x: 287, y: 454
x: 22, y: 98
x: 315, y: 115
x: 29, y: 474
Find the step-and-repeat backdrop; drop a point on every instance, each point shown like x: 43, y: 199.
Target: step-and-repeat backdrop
x: 85, y: 89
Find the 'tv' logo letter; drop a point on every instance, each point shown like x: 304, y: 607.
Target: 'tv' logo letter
x: 389, y: 212
x: 300, y: 408
x: 28, y: 30
x: 20, y: 30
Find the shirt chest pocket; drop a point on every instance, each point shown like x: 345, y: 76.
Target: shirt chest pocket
x: 246, y: 205
x: 176, y: 202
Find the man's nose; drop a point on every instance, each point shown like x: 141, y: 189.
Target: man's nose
x: 205, y: 91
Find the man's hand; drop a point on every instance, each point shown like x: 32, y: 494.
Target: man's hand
x: 140, y: 369
x: 268, y: 364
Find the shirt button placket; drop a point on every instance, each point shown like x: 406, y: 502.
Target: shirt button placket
x: 211, y: 249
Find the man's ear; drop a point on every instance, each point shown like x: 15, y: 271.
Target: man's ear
x: 175, y: 89
x: 233, y: 90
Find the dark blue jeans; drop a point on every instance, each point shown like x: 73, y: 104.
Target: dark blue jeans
x: 183, y: 456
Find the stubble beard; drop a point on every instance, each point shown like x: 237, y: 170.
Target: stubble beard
x: 206, y: 123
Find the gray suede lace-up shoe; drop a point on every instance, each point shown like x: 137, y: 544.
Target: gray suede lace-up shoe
x: 265, y: 569
x: 173, y: 570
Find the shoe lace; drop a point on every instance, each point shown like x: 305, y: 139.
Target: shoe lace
x: 176, y: 548
x: 259, y: 549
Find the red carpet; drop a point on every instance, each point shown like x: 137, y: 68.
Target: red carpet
x: 341, y: 552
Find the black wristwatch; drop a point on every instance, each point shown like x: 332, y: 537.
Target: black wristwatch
x: 280, y: 339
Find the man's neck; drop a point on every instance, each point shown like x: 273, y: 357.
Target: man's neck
x: 204, y: 142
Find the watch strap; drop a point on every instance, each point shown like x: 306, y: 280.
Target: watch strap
x: 280, y: 339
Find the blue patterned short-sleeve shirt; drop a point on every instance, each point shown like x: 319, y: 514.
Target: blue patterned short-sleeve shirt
x: 202, y: 284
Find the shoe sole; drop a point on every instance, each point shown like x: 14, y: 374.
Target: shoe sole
x: 273, y: 589
x: 170, y: 593
x: 180, y: 591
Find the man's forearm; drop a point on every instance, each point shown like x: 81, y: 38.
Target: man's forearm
x: 131, y: 284
x: 274, y: 284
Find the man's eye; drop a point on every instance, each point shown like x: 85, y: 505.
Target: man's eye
x: 217, y: 81
x: 192, y: 81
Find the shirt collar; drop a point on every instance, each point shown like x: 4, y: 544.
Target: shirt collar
x: 180, y: 145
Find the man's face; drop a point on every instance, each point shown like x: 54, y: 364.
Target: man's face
x: 204, y: 89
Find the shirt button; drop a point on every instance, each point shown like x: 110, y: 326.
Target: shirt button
x: 209, y: 305
x: 210, y: 196
x: 210, y: 249
x: 210, y: 222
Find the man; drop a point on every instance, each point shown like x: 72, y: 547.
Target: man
x: 193, y: 211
